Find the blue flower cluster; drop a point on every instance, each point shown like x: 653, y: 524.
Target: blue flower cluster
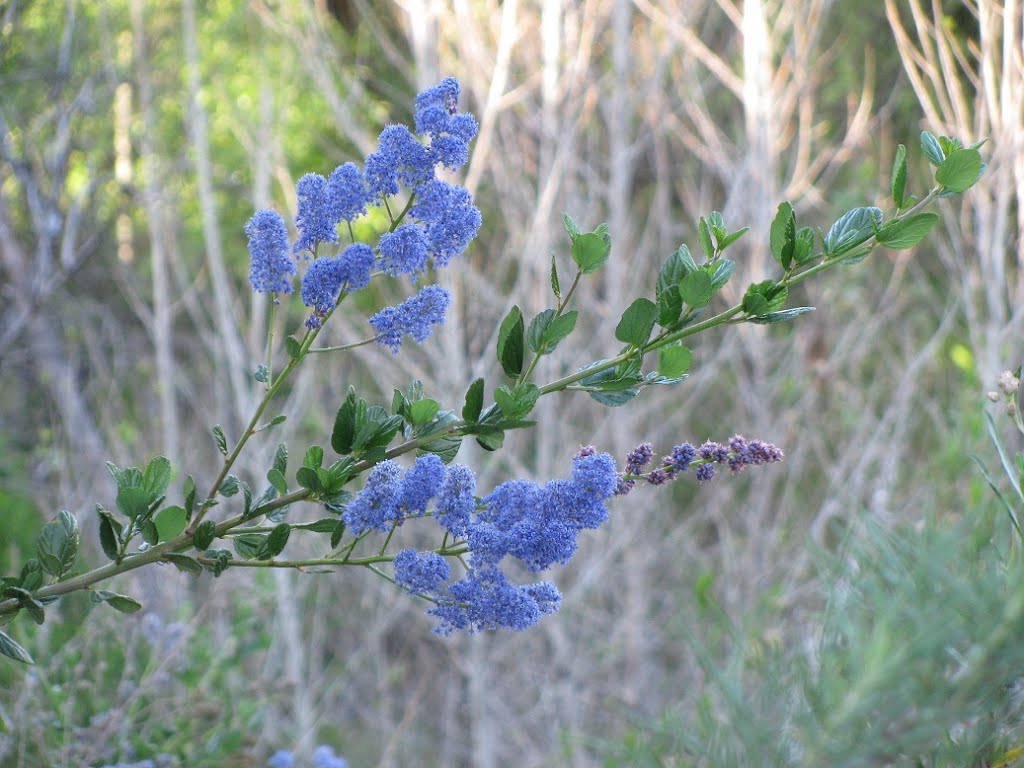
x: 532, y: 523
x: 323, y: 757
x: 738, y: 453
x: 440, y: 222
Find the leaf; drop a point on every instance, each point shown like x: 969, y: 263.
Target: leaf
x: 11, y: 649
x: 276, y: 479
x: 783, y: 235
x: 261, y: 374
x: 275, y: 542
x: 281, y: 458
x: 246, y: 500
x: 636, y: 322
x: 248, y: 545
x: 728, y: 240
x: 220, y: 439
x: 314, y: 457
x: 590, y: 251
x: 307, y: 477
x: 803, y: 249
x: 899, y: 176
x: 517, y: 403
x: 717, y: 224
x: 908, y: 232
x: 559, y: 328
x: 279, y: 419
x: 673, y: 361
x: 780, y: 317
x: 570, y: 226
x: 511, y: 349
x: 204, y: 535
x: 764, y: 297
x: 221, y: 558
x: 31, y: 576
x: 132, y: 501
x: 121, y: 603
x: 190, y: 495
x: 932, y: 149
x: 292, y: 347
x: 157, y: 477
x: 474, y: 401
x: 26, y: 601
x: 960, y: 170
x: 670, y: 305
x: 57, y: 544
x: 229, y: 487
x: 535, y: 333
x: 345, y: 425
x: 853, y: 228
x: 423, y: 411
x: 704, y: 238
x: 695, y: 289
x: 672, y: 271
x: 183, y: 563
x: 555, y: 287
x: 337, y: 534
x: 723, y: 271
x: 110, y: 533
x: 323, y: 525
x: 170, y: 522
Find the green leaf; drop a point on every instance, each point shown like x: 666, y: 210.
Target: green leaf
x: 780, y: 317
x: 570, y: 226
x: 908, y: 232
x: 229, y: 487
x: 132, y: 502
x: 323, y: 525
x: 764, y: 297
x: 555, y: 287
x: 314, y: 457
x: 275, y: 542
x: 281, y: 458
x: 559, y: 328
x: 670, y: 305
x: 423, y: 411
x: 732, y: 238
x: 157, y: 477
x: 279, y: 419
x: 673, y: 361
x: 57, y: 544
x: 337, y: 534
x: 221, y: 558
x: 9, y: 648
x: 717, y: 224
x: 261, y: 374
x: 803, y: 249
x: 783, y: 235
x: 670, y: 275
x: 150, y: 535
x: 704, y: 238
x: 25, y: 599
x: 110, y: 533
x: 723, y: 271
x: 246, y: 500
x: 696, y: 289
x: 637, y: 322
x: 899, y: 176
x: 249, y: 545
x: 292, y: 347
x: 31, y: 576
x: 277, y: 479
x: 853, y: 228
x: 220, y: 439
x: 183, y: 563
x: 204, y: 535
x: 535, y: 333
x: 170, y: 522
x: 345, y: 425
x: 190, y: 495
x: 307, y: 477
x: 590, y: 251
x: 960, y: 170
x: 121, y: 603
x: 517, y: 403
x: 118, y: 474
x: 932, y: 149
x: 511, y: 349
x: 474, y: 401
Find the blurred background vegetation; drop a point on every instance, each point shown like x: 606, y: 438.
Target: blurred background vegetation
x: 854, y: 606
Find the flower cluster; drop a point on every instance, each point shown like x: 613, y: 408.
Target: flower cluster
x: 738, y: 453
x: 438, y: 223
x: 323, y: 757
x: 534, y: 524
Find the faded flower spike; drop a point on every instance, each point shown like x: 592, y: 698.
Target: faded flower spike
x: 268, y: 247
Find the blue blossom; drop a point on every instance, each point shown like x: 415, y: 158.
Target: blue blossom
x: 510, y: 502
x: 485, y: 600
x: 415, y: 316
x: 356, y: 265
x: 420, y: 572
x: 315, y: 219
x: 435, y: 105
x: 324, y: 757
x: 421, y: 484
x: 705, y: 472
x: 450, y: 219
x: 322, y: 282
x: 399, y: 158
x: 712, y: 451
x: 456, y: 500
x: 488, y: 544
x: 404, y: 251
x: 639, y: 458
x: 283, y: 758
x: 540, y: 542
x: 347, y: 193
x: 450, y: 133
x: 682, y: 456
x: 376, y: 506
x: 595, y: 474
x: 268, y: 248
